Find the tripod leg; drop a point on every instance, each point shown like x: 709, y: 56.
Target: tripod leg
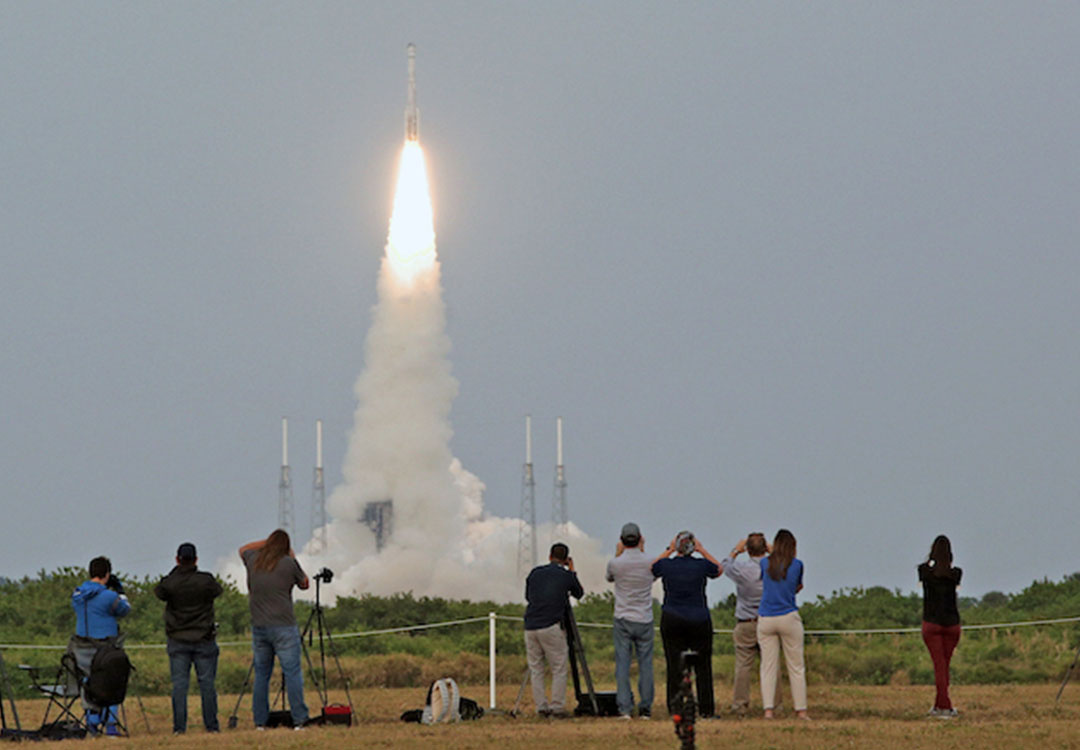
x: 323, y: 627
x: 521, y: 692
x: 234, y: 719
x: 1068, y: 674
x: 5, y: 684
x: 579, y: 647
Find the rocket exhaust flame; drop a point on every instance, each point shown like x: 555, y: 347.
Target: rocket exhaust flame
x: 410, y: 246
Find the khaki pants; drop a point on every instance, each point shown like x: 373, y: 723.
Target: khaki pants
x: 746, y: 650
x: 549, y: 643
x: 772, y: 632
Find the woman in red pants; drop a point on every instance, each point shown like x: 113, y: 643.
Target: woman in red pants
x: 941, y: 620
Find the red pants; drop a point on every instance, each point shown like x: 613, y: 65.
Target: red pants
x: 941, y: 640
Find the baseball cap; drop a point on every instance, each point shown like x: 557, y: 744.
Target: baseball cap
x: 630, y: 534
x: 186, y: 551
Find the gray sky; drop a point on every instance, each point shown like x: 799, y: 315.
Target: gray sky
x: 777, y: 265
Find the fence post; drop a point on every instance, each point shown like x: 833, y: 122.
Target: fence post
x: 491, y: 655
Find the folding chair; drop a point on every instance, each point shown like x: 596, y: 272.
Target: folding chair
x: 60, y: 685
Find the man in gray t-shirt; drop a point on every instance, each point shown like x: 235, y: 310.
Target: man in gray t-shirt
x: 631, y: 572
x: 747, y: 577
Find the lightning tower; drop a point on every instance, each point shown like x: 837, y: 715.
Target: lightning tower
x: 318, y: 497
x: 527, y: 551
x: 285, y: 495
x: 560, y: 517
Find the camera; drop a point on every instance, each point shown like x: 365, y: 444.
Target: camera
x: 114, y: 583
x: 325, y: 575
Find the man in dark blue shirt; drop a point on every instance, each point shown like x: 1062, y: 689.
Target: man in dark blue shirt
x: 546, y: 590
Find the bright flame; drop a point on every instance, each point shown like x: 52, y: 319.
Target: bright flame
x: 411, y: 244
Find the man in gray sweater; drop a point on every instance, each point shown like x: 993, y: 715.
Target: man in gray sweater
x: 631, y: 572
x: 747, y: 577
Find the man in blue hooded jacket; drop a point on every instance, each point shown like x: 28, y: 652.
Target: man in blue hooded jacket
x: 98, y: 604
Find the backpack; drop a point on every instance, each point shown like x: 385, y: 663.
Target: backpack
x: 444, y: 704
x: 109, y: 672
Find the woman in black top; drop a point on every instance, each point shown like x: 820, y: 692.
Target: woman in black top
x: 941, y: 619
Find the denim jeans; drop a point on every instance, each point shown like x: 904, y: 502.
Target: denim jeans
x: 204, y: 655
x: 629, y: 637
x: 283, y: 640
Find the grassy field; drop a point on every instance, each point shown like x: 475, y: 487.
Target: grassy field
x: 1000, y: 716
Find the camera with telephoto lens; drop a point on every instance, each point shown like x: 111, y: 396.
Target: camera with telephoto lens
x: 114, y: 583
x: 325, y: 575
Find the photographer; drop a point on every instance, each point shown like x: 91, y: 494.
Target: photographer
x: 747, y: 577
x: 631, y: 572
x: 98, y: 604
x: 684, y: 621
x: 547, y: 591
x: 189, y: 596
x: 272, y: 571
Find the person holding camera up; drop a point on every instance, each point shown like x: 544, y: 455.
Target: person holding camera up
x: 190, y: 630
x: 684, y: 620
x: 747, y: 577
x: 779, y: 623
x: 547, y: 592
x: 631, y: 572
x: 941, y: 618
x: 272, y: 571
x: 98, y: 603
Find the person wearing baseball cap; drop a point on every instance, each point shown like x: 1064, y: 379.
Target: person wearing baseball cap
x: 631, y: 572
x: 189, y: 595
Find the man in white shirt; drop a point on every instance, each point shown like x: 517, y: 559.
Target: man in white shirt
x: 631, y: 572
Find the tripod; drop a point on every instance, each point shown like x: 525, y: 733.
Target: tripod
x: 591, y: 702
x: 316, y: 623
x: 5, y: 687
x: 1068, y: 674
x: 685, y: 704
x: 318, y: 619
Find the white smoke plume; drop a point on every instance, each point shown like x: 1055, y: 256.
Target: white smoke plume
x: 443, y: 543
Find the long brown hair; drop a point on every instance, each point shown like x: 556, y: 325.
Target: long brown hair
x: 783, y: 552
x: 276, y: 547
x: 941, y: 555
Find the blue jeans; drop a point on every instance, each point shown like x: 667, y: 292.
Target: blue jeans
x: 204, y: 655
x: 283, y: 640
x: 633, y: 636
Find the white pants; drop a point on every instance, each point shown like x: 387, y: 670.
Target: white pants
x: 771, y: 632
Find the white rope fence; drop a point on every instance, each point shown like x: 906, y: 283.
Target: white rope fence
x: 492, y: 618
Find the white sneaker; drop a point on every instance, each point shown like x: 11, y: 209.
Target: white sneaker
x: 624, y: 717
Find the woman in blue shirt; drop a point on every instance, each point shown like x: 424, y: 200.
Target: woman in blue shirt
x: 779, y: 623
x: 684, y: 616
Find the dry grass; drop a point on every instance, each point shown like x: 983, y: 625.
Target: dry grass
x: 844, y: 717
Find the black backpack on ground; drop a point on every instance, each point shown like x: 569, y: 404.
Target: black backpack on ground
x: 109, y: 672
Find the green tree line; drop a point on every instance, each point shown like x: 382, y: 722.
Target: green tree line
x: 37, y: 610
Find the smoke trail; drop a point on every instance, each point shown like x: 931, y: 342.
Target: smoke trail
x: 443, y: 543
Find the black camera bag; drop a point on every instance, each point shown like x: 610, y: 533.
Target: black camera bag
x: 109, y: 672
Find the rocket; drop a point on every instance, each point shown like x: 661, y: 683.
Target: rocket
x: 412, y: 114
